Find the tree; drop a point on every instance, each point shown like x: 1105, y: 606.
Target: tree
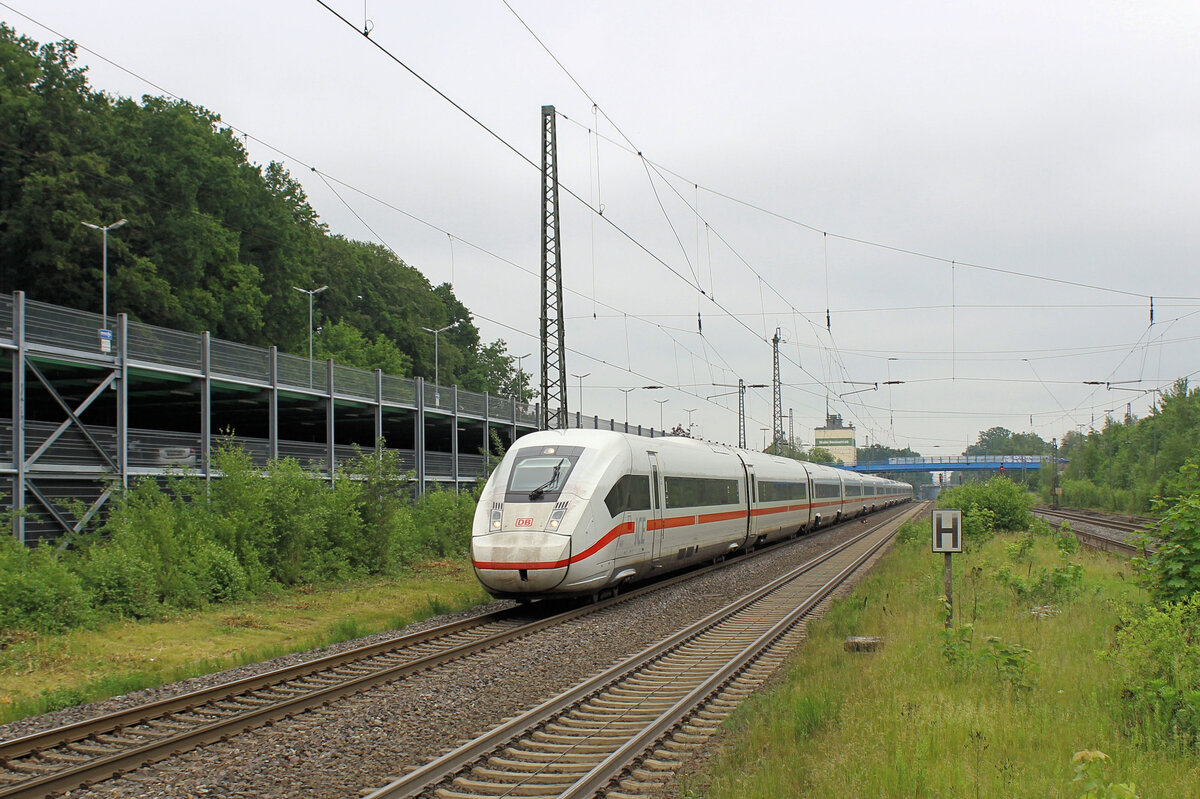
x: 491, y: 370
x: 215, y: 242
x: 347, y: 345
x: 1130, y: 461
x: 819, y: 455
x: 1001, y: 441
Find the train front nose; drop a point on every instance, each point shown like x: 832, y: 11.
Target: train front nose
x: 521, y: 562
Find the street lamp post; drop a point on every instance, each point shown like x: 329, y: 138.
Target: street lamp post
x: 661, y: 403
x: 585, y: 374
x: 310, y: 293
x: 689, y: 412
x: 626, y: 391
x: 104, y: 264
x: 520, y: 382
x: 437, y: 383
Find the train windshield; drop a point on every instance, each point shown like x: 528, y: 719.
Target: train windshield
x: 539, y: 474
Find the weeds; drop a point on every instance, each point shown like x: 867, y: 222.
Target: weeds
x: 1159, y: 652
x: 186, y: 543
x: 1089, y: 777
x: 1012, y: 663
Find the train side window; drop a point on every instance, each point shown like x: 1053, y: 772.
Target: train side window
x: 826, y: 490
x: 781, y: 490
x: 630, y: 493
x: 688, y: 492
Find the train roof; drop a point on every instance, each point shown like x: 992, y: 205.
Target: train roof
x: 612, y: 439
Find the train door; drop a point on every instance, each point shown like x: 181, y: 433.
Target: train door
x: 752, y: 522
x: 655, y: 525
x: 812, y: 502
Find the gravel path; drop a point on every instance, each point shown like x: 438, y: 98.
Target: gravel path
x: 360, y: 743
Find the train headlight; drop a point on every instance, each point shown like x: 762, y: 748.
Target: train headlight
x: 497, y: 515
x: 556, y: 516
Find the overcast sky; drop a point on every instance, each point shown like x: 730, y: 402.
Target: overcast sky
x: 1058, y: 140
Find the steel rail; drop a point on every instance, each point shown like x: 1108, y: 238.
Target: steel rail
x: 1125, y: 523
x: 116, y: 763
x: 139, y: 749
x: 1095, y: 540
x: 618, y: 762
x: 424, y: 777
x: 81, y: 730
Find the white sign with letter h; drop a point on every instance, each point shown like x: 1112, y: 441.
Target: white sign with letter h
x: 947, y: 531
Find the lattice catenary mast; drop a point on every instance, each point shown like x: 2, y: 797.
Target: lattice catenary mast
x: 777, y: 405
x: 554, y: 368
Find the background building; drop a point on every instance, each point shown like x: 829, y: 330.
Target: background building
x: 837, y: 438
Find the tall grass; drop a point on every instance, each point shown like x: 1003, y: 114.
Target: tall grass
x: 44, y: 672
x: 995, y: 709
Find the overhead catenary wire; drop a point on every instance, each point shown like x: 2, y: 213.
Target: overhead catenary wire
x: 522, y: 156
x: 595, y: 105
x: 693, y: 285
x: 899, y: 249
x: 328, y: 180
x: 842, y: 362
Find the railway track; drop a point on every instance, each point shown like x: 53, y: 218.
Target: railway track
x: 1109, y: 533
x: 80, y: 754
x: 623, y: 732
x: 87, y: 752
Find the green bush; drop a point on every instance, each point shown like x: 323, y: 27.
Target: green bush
x: 913, y: 531
x: 1066, y: 541
x: 1173, y: 568
x: 978, y: 523
x: 1008, y: 503
x: 37, y: 589
x: 118, y: 581
x: 1012, y: 663
x: 1039, y: 528
x: 185, y: 542
x: 234, y: 512
x: 162, y: 527
x: 383, y: 502
x: 218, y: 574
x: 1083, y: 493
x: 1158, y: 650
x: 443, y: 522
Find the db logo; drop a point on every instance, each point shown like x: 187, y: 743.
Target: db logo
x: 526, y: 522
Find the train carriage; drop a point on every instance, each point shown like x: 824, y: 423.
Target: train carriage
x: 781, y: 495
x: 827, y: 494
x: 571, y: 512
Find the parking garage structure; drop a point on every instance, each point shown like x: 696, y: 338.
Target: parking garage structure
x: 87, y: 410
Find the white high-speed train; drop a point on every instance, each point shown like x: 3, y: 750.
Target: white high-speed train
x: 571, y: 512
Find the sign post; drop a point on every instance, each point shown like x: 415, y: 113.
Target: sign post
x: 947, y: 537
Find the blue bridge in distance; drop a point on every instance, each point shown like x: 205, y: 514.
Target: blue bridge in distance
x: 955, y: 463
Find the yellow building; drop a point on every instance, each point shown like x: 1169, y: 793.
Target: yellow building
x: 838, y: 439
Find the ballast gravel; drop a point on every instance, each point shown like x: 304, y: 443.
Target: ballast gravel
x: 361, y: 743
